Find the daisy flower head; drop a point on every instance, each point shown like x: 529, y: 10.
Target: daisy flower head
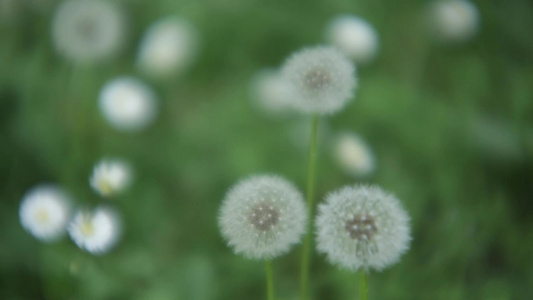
x: 88, y: 31
x: 44, y: 212
x: 321, y: 80
x: 362, y: 227
x: 270, y: 93
x: 128, y: 104
x: 169, y: 46
x: 262, y: 217
x: 355, y: 37
x: 96, y: 231
x: 111, y: 177
x: 353, y: 155
x: 453, y: 21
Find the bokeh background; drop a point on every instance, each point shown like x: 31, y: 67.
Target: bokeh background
x: 450, y: 126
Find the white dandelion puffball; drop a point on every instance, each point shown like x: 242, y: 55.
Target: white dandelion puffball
x: 88, y: 31
x: 128, y: 104
x: 270, y: 93
x: 362, y: 227
x: 111, y: 177
x: 44, y: 212
x: 353, y: 154
x: 321, y: 80
x: 453, y: 20
x: 262, y: 217
x: 95, y: 231
x: 169, y: 46
x: 355, y: 37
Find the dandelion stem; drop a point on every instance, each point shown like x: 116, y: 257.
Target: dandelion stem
x: 364, y: 286
x: 306, y: 251
x: 270, y: 280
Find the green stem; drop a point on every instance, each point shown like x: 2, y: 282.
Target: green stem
x: 270, y: 280
x: 364, y: 286
x: 306, y: 251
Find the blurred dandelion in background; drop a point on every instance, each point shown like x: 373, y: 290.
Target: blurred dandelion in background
x: 128, y: 104
x: 353, y: 155
x: 452, y: 21
x: 111, y: 177
x: 270, y: 93
x: 355, y: 37
x: 44, y: 212
x: 88, y: 31
x: 96, y: 231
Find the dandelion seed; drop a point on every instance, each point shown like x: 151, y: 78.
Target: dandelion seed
x: 88, y: 31
x: 111, y: 177
x: 355, y: 37
x: 95, y: 231
x: 262, y: 217
x: 353, y: 155
x: 320, y: 80
x: 128, y: 104
x: 453, y: 21
x: 362, y: 227
x: 44, y: 212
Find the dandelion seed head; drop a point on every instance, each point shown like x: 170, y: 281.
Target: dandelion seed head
x: 95, y: 231
x: 362, y: 227
x: 353, y: 155
x: 270, y: 93
x: 453, y: 21
x: 111, y: 177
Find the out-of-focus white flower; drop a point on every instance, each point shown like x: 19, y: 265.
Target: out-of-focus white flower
x: 321, y: 80
x: 128, y: 104
x: 353, y: 154
x: 453, y: 20
x: 96, y: 231
x: 88, y: 31
x: 355, y: 37
x: 362, y: 227
x: 111, y: 177
x: 270, y: 93
x: 169, y: 46
x: 44, y: 212
x: 262, y: 217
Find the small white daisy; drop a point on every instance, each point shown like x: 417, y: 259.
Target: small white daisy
x: 111, y: 177
x: 353, y: 155
x: 128, y: 104
x: 362, y: 227
x: 169, y: 46
x: 453, y: 20
x: 262, y: 217
x: 95, y: 231
x: 321, y: 80
x: 270, y: 93
x: 44, y: 212
x: 355, y: 37
x: 88, y: 31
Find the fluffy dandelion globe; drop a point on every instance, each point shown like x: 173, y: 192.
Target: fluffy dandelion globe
x: 353, y: 155
x: 262, y: 217
x: 361, y: 228
x: 169, y: 46
x: 355, y: 37
x: 44, y: 212
x: 95, y: 231
x: 88, y: 31
x: 270, y: 93
x: 321, y: 80
x: 453, y: 20
x: 128, y: 104
x: 111, y: 177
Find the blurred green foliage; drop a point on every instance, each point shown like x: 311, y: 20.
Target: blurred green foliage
x: 451, y: 127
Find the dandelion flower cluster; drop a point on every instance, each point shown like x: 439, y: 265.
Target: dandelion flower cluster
x: 262, y: 217
x: 353, y: 155
x: 168, y: 46
x: 453, y: 20
x: 87, y: 31
x: 321, y: 80
x: 95, y: 231
x: 44, y: 212
x: 111, y: 177
x: 355, y: 37
x: 270, y: 92
x: 128, y: 104
x: 362, y: 227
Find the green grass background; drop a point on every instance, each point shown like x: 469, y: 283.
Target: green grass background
x: 451, y: 127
